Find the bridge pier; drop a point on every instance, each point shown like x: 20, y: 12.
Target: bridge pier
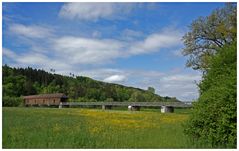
x: 106, y: 107
x: 167, y: 109
x: 133, y: 108
x: 60, y: 105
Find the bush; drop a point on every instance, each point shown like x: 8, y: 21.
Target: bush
x: 12, y: 101
x: 82, y: 99
x: 109, y: 100
x: 214, y: 117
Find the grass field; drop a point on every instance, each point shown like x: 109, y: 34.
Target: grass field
x: 91, y: 128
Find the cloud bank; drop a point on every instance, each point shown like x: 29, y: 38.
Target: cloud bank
x: 30, y: 31
x: 95, y: 11
x: 115, y: 78
x: 93, y: 51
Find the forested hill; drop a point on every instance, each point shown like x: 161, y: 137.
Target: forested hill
x: 28, y: 81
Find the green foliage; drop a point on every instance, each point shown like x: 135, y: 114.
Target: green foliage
x: 214, y: 117
x: 14, y: 85
x: 151, y: 89
x: 211, y: 46
x: 109, y: 100
x: 29, y: 88
x: 12, y: 101
x: 81, y: 99
x: 208, y: 34
x: 19, y: 82
x: 137, y: 97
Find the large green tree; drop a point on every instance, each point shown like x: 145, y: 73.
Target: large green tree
x: 208, y: 34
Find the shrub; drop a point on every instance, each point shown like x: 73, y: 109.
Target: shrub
x: 12, y: 101
x: 109, y: 100
x: 214, y: 117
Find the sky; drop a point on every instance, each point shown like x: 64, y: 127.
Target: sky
x: 133, y: 44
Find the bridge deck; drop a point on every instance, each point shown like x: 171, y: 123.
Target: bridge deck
x: 141, y: 104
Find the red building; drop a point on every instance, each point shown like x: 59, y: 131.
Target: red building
x: 45, y: 99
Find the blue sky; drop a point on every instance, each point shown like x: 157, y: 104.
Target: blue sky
x: 134, y: 44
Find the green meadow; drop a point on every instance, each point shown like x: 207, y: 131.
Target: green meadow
x: 93, y: 128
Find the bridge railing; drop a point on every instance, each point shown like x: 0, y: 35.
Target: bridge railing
x: 145, y: 104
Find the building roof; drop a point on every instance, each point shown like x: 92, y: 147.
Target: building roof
x: 40, y: 96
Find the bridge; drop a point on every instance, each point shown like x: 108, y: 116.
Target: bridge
x: 134, y: 106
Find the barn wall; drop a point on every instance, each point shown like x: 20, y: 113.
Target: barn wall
x: 43, y: 101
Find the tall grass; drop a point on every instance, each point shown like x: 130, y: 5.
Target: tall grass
x: 88, y: 128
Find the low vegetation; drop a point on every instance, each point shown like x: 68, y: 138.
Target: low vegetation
x: 91, y: 128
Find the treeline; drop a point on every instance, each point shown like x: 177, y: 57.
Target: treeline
x: 19, y: 82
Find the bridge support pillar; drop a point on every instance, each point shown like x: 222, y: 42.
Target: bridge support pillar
x: 106, y: 107
x: 133, y: 108
x: 60, y: 105
x: 167, y: 109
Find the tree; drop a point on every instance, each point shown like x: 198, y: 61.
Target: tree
x: 14, y: 85
x: 137, y: 97
x: 109, y: 100
x: 122, y: 94
x: 29, y: 88
x: 151, y: 90
x: 52, y: 70
x: 214, y: 117
x: 37, y: 87
x: 12, y: 101
x: 208, y: 34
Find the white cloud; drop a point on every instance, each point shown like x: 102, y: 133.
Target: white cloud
x: 94, y: 11
x: 88, y: 50
x: 167, y: 38
x: 99, y: 51
x: 96, y: 34
x: 82, y: 50
x: 8, y: 53
x: 35, y: 59
x: 181, y: 78
x: 91, y: 50
x: 115, y: 78
x: 101, y: 73
x: 32, y: 31
x: 177, y: 53
x: 181, y: 85
x: 130, y: 35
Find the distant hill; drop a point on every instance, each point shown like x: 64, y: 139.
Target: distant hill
x: 28, y: 81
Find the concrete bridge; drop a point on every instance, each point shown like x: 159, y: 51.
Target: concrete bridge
x: 134, y: 106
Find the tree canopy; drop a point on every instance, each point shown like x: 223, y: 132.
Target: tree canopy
x: 208, y: 34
